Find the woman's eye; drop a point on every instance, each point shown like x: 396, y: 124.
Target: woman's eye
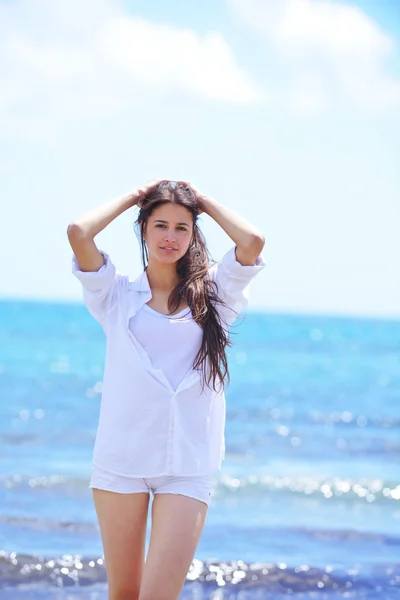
x: 162, y: 225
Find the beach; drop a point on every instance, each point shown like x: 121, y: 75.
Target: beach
x: 306, y: 504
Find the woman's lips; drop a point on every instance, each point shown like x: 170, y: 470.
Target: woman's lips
x: 168, y: 249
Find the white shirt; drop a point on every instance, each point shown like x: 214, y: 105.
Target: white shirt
x: 146, y: 427
x: 170, y: 341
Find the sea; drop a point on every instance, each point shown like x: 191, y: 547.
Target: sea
x: 307, y: 504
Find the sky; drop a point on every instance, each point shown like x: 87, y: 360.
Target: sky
x: 287, y: 112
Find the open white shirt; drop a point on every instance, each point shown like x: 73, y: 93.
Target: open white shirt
x: 148, y: 427
x: 170, y: 341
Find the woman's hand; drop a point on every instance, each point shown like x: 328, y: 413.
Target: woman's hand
x: 141, y: 193
x: 200, y: 197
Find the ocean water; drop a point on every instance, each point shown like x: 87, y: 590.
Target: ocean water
x: 307, y: 504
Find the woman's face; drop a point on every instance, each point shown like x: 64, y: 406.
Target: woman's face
x: 169, y: 232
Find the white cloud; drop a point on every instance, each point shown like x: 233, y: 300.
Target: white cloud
x: 333, y: 51
x: 162, y: 55
x: 68, y: 57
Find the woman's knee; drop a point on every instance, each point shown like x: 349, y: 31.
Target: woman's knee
x: 130, y: 593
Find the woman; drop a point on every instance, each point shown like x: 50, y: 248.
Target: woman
x: 162, y: 414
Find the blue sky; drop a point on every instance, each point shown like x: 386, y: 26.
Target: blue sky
x: 287, y: 112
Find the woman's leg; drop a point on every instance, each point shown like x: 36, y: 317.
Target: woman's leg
x: 177, y: 524
x: 122, y: 520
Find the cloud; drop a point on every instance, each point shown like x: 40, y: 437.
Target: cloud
x: 91, y: 58
x: 333, y: 52
x: 162, y: 55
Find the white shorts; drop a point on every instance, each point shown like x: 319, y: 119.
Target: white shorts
x: 198, y: 487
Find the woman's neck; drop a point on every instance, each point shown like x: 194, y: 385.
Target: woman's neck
x: 161, y: 276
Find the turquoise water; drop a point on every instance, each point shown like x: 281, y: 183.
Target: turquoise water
x: 308, y: 500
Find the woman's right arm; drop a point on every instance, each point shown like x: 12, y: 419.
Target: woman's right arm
x: 82, y: 231
x: 101, y: 283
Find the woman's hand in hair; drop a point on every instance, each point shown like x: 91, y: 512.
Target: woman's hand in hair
x: 200, y: 197
x: 145, y: 189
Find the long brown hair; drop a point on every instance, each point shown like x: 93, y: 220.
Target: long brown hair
x: 195, y: 285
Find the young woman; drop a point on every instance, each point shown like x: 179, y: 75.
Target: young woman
x: 162, y: 414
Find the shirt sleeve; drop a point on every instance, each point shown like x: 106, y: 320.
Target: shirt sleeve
x: 100, y: 288
x: 233, y: 279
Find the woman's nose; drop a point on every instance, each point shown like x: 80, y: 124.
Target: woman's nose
x: 170, y: 236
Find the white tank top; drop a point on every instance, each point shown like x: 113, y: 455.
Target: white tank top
x: 171, y: 342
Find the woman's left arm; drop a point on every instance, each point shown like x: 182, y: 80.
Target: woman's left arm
x: 248, y: 239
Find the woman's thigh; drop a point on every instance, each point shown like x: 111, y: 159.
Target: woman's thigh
x: 177, y: 524
x: 122, y: 517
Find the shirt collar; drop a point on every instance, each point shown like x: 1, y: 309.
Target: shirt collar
x: 141, y: 283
